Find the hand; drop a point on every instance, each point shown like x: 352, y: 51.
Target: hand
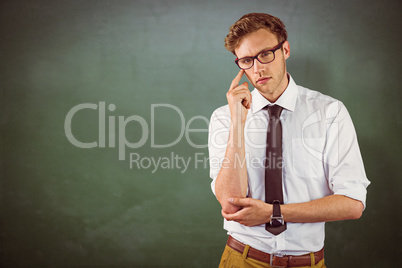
x: 253, y: 211
x: 239, y: 99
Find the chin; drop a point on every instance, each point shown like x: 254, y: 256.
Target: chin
x: 265, y: 89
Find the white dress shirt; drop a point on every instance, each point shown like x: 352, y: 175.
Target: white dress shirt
x: 320, y: 154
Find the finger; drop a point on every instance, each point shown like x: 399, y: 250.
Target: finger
x: 245, y: 85
x: 246, y: 104
x: 240, y: 87
x: 237, y: 79
x: 245, y: 94
x: 240, y: 91
x: 226, y: 216
x: 230, y: 217
x: 240, y: 98
x: 247, y: 100
x: 238, y: 95
x: 240, y: 202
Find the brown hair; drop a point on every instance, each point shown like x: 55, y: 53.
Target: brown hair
x: 252, y: 22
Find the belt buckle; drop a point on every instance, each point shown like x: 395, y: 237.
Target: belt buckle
x: 273, y: 255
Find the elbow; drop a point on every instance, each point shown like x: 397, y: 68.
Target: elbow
x: 356, y: 210
x: 229, y: 208
x: 222, y: 195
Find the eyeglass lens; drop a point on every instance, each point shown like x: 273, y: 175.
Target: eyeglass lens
x: 263, y: 57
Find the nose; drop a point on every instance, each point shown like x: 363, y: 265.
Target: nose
x: 257, y: 66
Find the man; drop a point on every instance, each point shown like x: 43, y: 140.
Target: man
x: 284, y: 159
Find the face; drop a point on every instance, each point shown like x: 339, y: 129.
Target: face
x: 269, y: 79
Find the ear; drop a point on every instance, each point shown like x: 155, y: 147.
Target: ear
x: 286, y: 50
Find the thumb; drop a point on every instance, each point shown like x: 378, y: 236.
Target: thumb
x: 240, y: 202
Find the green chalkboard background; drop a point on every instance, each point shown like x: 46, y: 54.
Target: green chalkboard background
x: 148, y: 74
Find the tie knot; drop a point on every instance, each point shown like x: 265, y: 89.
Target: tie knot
x: 274, y: 111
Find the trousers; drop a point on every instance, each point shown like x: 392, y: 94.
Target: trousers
x: 233, y: 259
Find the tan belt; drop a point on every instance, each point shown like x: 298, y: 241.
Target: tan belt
x: 276, y: 260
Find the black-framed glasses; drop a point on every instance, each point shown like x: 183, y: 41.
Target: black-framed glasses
x: 264, y: 57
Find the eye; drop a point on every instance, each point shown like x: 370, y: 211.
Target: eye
x: 246, y: 60
x: 265, y: 54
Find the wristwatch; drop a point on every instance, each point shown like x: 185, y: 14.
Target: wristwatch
x: 276, y: 217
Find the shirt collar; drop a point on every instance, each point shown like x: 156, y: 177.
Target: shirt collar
x: 287, y: 100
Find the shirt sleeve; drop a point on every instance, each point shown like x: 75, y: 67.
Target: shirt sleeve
x: 342, y: 157
x: 217, y: 141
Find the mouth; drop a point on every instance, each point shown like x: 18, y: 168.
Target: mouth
x: 263, y: 80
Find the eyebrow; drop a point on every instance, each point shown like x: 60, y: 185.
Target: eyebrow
x: 262, y: 50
